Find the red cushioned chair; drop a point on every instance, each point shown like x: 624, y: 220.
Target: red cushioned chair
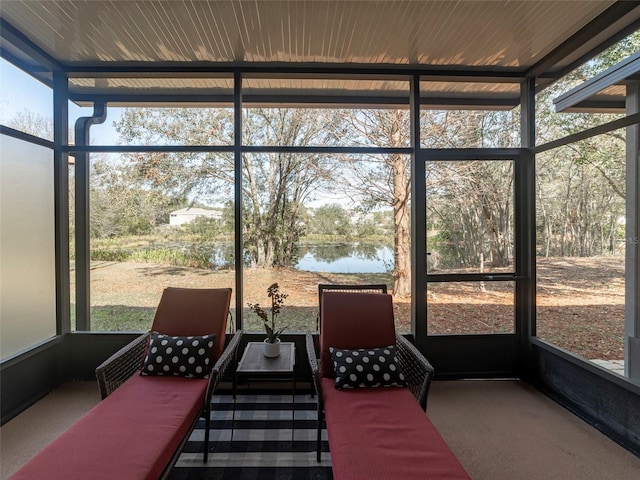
x: 140, y: 427
x: 362, y: 320
x: 344, y: 287
x: 181, y: 312
x: 375, y: 432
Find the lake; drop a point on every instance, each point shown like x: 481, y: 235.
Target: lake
x: 328, y: 257
x: 345, y: 258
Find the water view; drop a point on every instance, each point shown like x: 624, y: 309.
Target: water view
x: 358, y: 257
x: 345, y: 258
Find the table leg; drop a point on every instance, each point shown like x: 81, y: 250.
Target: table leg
x: 293, y: 407
x: 233, y: 415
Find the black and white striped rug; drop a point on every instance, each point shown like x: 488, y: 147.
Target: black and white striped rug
x: 262, y: 445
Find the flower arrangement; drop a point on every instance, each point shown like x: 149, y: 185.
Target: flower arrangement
x: 277, y: 300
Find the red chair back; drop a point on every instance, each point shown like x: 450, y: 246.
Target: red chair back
x: 194, y: 311
x: 354, y: 320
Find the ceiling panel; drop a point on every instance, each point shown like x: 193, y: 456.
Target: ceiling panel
x: 122, y: 49
x: 506, y: 33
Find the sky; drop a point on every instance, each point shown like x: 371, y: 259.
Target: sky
x: 19, y: 92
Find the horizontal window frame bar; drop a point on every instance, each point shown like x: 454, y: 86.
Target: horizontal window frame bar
x: 466, y: 154
x: 590, y: 132
x: 473, y: 277
x: 71, y: 149
x: 427, y: 155
x: 282, y: 69
x: 288, y: 100
x: 27, y: 137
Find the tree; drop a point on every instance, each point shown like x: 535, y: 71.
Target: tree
x: 473, y: 203
x: 275, y: 186
x: 378, y: 180
x: 470, y: 203
x: 206, y: 228
x: 577, y: 210
x: 119, y: 205
x: 580, y: 187
x: 330, y: 219
x: 382, y: 180
x: 32, y: 123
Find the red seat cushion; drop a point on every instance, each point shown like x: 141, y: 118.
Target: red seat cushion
x: 382, y: 433
x: 131, y: 435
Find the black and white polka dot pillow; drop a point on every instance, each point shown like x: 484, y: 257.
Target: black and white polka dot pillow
x: 180, y: 356
x: 367, y: 367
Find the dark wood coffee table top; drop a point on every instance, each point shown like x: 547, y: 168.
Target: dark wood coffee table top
x: 254, y: 361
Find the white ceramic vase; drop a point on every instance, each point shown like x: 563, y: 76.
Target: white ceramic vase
x: 271, y: 349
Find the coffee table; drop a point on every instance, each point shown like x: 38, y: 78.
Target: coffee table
x: 254, y: 365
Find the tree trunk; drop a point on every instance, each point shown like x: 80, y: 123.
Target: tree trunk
x: 482, y: 286
x: 269, y: 253
x: 260, y: 253
x: 401, y: 240
x: 565, y: 226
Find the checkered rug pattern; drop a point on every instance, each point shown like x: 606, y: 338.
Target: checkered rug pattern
x: 262, y: 447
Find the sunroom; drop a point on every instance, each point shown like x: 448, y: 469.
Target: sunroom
x: 479, y: 158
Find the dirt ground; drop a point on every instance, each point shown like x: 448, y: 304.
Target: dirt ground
x: 580, y: 301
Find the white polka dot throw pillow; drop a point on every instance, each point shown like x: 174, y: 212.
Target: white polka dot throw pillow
x: 367, y: 367
x: 180, y: 356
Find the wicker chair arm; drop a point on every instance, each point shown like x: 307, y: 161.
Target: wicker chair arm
x: 417, y: 369
x: 228, y: 356
x: 312, y: 355
x: 120, y: 366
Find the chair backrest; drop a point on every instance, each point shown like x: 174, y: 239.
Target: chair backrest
x: 344, y: 287
x: 354, y: 320
x: 194, y: 311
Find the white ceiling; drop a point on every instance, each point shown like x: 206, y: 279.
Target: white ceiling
x: 503, y: 33
x: 95, y: 38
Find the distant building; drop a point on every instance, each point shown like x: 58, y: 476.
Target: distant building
x: 188, y: 215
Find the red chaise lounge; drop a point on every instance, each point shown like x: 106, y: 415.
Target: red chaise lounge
x: 374, y: 431
x: 139, y: 428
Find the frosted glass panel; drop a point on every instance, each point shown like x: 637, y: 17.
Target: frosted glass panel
x: 27, y: 250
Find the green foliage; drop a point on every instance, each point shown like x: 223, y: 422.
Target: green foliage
x: 330, y: 219
x: 206, y: 228
x: 105, y: 255
x: 332, y: 222
x: 149, y: 250
x: 577, y: 214
x: 171, y: 256
x: 366, y: 227
x: 614, y: 54
x: 185, y: 126
x: 120, y: 203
